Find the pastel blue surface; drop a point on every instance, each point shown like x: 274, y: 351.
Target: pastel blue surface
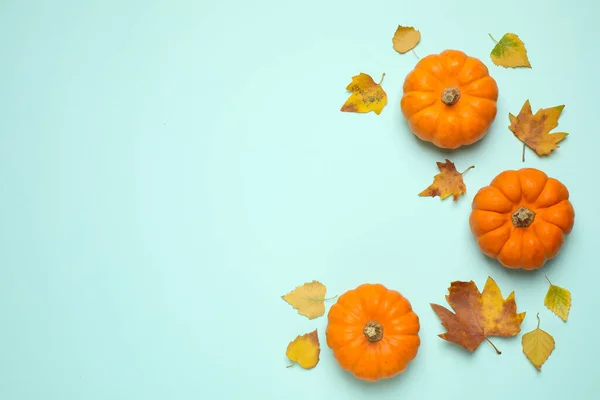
x: 169, y: 169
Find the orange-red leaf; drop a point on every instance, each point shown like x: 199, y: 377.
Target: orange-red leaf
x: 478, y: 315
x: 448, y: 182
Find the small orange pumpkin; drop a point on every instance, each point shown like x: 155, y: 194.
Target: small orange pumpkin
x: 373, y: 332
x: 522, y: 218
x: 449, y: 99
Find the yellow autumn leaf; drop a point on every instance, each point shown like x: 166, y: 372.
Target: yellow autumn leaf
x: 366, y: 95
x: 308, y: 299
x: 405, y: 39
x: 558, y: 300
x: 305, y: 350
x: 510, y: 52
x: 537, y: 345
x: 449, y: 182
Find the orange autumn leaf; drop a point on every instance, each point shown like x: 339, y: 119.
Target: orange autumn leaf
x: 534, y: 129
x: 366, y: 95
x: 448, y: 182
x: 305, y: 350
x: 478, y: 315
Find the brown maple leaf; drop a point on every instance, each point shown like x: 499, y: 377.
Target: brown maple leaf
x: 534, y: 129
x: 478, y: 315
x: 448, y: 182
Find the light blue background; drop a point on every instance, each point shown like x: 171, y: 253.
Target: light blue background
x: 170, y: 169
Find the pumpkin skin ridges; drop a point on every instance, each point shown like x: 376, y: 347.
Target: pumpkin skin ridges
x: 446, y: 125
x: 549, y: 218
x: 389, y: 354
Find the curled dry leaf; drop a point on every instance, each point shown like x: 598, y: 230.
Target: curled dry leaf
x: 448, y: 182
x: 510, y: 52
x: 366, y: 95
x: 478, y: 315
x: 537, y: 345
x: 405, y: 39
x: 558, y: 300
x: 305, y: 350
x: 533, y: 129
x: 308, y: 299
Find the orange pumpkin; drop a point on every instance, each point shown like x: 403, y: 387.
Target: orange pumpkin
x: 449, y: 99
x: 522, y: 218
x: 373, y: 332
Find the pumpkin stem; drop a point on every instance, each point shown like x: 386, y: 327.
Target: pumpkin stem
x: 523, y: 217
x: 373, y: 331
x: 450, y: 95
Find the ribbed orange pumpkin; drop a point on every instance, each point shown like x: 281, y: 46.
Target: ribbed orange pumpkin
x: 449, y: 99
x: 522, y: 218
x: 373, y: 332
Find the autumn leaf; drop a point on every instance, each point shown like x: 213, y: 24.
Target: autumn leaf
x: 305, y: 350
x: 366, y: 95
x: 478, y: 315
x: 405, y: 39
x: 308, y: 299
x: 533, y: 130
x: 537, y: 345
x: 558, y: 300
x: 509, y: 52
x: 448, y: 182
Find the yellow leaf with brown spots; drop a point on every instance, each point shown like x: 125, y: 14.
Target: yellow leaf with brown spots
x: 478, y: 315
x: 305, y: 350
x: 366, y: 95
x: 510, y: 52
x: 405, y: 39
x: 533, y: 129
x: 308, y: 299
x: 449, y: 182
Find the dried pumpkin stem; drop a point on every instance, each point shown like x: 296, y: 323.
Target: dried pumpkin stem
x: 450, y: 95
x: 523, y: 217
x: 373, y: 331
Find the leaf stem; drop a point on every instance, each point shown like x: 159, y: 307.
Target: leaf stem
x: 548, y: 279
x: 492, y: 38
x: 495, y: 348
x: 415, y: 53
x: 538, y: 317
x: 291, y: 365
x: 382, y: 76
x: 331, y: 298
x: 462, y: 173
x: 523, y: 156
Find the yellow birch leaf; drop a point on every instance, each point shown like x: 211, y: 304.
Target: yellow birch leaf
x: 510, y: 52
x: 448, y: 182
x: 305, y: 350
x: 537, y: 345
x: 558, y: 300
x: 308, y: 299
x: 366, y: 95
x: 405, y: 38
